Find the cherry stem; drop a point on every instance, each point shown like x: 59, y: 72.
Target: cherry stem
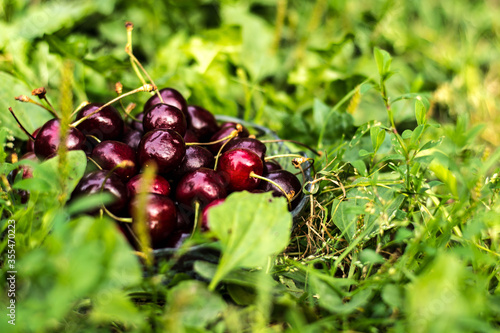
x: 146, y: 87
x: 93, y: 137
x: 114, y: 217
x: 232, y: 135
x: 52, y: 110
x: 83, y: 104
x: 287, y: 195
x: 26, y: 99
x: 196, y: 217
x: 135, y: 62
x: 267, y: 158
x: 21, y: 125
x: 314, y: 151
x: 95, y: 163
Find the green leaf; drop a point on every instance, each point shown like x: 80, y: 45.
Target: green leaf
x: 191, y: 305
x: 369, y: 256
x: 377, y: 135
x: 383, y: 59
x: 420, y: 112
x: 250, y: 228
x: 416, y: 135
x: 360, y: 166
x: 444, y: 175
x: 393, y: 296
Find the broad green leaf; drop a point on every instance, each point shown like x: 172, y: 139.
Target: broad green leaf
x: 191, y: 305
x: 250, y: 228
x: 420, y: 112
x: 383, y: 59
x: 393, y: 295
x: 320, y: 113
x: 377, y: 135
x: 360, y: 166
x: 115, y: 305
x: 416, y: 135
x: 48, y: 171
x: 369, y: 256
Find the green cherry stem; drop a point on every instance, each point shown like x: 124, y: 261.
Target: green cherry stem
x: 116, y: 218
x: 146, y: 87
x: 288, y: 196
x: 314, y: 151
x: 26, y: 99
x: 267, y: 158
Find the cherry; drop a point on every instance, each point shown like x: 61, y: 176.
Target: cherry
x: 225, y: 131
x: 106, y: 124
x: 195, y: 158
x: 161, y: 217
x: 177, y: 238
x: 230, y: 124
x: 190, y: 137
x: 164, y: 147
x: 185, y: 217
x: 205, y: 225
x: 238, y: 164
x: 288, y: 182
x: 132, y: 137
x: 248, y: 143
x: 109, y: 154
x: 27, y: 172
x: 30, y: 145
x: 164, y: 116
x: 203, y: 186
x: 159, y: 185
x: 271, y: 165
x: 47, y: 139
x: 137, y: 124
x: 92, y: 182
x: 170, y: 96
x: 202, y: 122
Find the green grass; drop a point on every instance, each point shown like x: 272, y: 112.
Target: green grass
x: 402, y: 233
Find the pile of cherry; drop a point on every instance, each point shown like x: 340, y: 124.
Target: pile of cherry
x: 198, y: 162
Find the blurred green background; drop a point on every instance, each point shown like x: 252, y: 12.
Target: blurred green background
x: 281, y: 63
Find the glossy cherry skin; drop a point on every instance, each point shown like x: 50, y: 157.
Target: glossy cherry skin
x: 203, y: 185
x: 137, y: 124
x: 27, y: 172
x: 238, y: 163
x: 108, y: 154
x: 165, y: 148
x: 164, y: 116
x: 248, y: 143
x: 287, y: 180
x: 170, y: 96
x: 159, y: 185
x: 91, y: 184
x: 190, y: 136
x: 202, y: 122
x: 47, y: 140
x: 132, y: 138
x: 222, y: 133
x: 196, y: 157
x: 161, y: 217
x: 106, y: 124
x: 271, y: 165
x: 205, y: 223
x: 30, y: 145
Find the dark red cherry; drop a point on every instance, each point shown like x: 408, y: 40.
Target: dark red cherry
x: 202, y: 185
x: 47, y: 140
x: 170, y: 96
x: 288, y: 182
x: 202, y: 122
x: 30, y: 145
x: 196, y: 157
x: 222, y: 133
x: 92, y: 182
x: 164, y: 116
x: 238, y: 164
x: 161, y: 217
x: 177, y: 238
x: 109, y: 154
x: 271, y: 165
x: 106, y: 124
x: 132, y: 138
x: 164, y: 147
x: 253, y: 145
x: 205, y: 223
x: 190, y: 137
x: 159, y: 185
x: 244, y: 131
x: 27, y: 170
x: 137, y: 124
